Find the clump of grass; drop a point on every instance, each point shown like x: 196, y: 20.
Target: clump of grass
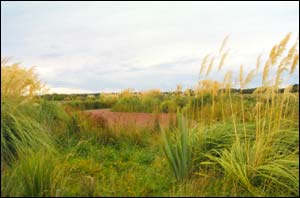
x: 19, y: 128
x: 178, y: 150
x: 19, y: 131
x: 262, y: 160
x: 17, y: 81
x: 262, y: 168
x: 36, y: 174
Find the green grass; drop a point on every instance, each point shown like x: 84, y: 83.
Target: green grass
x: 223, y: 143
x: 20, y: 131
x: 178, y: 149
x: 82, y: 158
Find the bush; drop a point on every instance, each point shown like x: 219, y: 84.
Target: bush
x: 168, y: 106
x: 89, y: 104
x: 150, y: 105
x: 128, y: 104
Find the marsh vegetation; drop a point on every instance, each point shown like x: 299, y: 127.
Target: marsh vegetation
x: 226, y: 140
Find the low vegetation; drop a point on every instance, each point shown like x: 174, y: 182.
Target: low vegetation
x: 227, y: 141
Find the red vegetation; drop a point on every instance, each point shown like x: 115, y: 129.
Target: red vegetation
x: 133, y: 119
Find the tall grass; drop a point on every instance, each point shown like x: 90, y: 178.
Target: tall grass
x: 19, y: 128
x: 35, y: 175
x: 256, y: 148
x: 19, y: 131
x: 225, y: 143
x: 178, y: 149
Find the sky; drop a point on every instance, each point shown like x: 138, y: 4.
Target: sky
x: 86, y: 47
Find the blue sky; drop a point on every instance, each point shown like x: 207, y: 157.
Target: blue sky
x: 110, y: 46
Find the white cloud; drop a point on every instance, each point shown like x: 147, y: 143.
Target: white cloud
x: 65, y: 90
x: 142, y: 45
x: 60, y: 90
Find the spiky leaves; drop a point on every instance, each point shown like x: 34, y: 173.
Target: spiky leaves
x: 178, y: 151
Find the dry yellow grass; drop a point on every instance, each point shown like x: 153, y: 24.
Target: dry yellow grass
x: 282, y: 44
x: 266, y: 71
x: 223, y: 59
x: 227, y: 80
x: 16, y: 81
x: 151, y: 93
x: 258, y: 62
x: 292, y: 53
x: 273, y: 53
x: 249, y: 77
x: 210, y: 65
x: 223, y: 44
x: 241, y: 76
x: 295, y: 63
x: 203, y: 64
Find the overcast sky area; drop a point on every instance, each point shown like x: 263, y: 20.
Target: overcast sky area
x: 109, y: 46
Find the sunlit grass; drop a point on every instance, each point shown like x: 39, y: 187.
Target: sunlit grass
x: 226, y: 141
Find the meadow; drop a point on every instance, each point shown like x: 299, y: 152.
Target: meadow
x: 226, y: 140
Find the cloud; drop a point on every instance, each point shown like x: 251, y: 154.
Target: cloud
x: 60, y: 90
x: 116, y: 45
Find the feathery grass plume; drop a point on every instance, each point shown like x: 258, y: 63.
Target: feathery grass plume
x: 223, y: 60
x: 18, y: 82
x: 228, y: 80
x: 249, y: 77
x: 19, y: 131
x: 266, y: 71
x: 294, y: 64
x: 203, y: 64
x: 273, y: 53
x: 277, y: 50
x: 210, y: 65
x: 282, y: 44
x: 291, y: 53
x: 282, y: 63
x: 286, y: 94
x: 280, y: 69
x: 4, y: 60
x: 241, y: 76
x: 224, y: 44
x: 258, y: 62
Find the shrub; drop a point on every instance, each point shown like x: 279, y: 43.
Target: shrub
x: 168, y: 106
x: 128, y: 104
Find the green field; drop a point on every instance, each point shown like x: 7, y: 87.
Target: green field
x: 227, y: 140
